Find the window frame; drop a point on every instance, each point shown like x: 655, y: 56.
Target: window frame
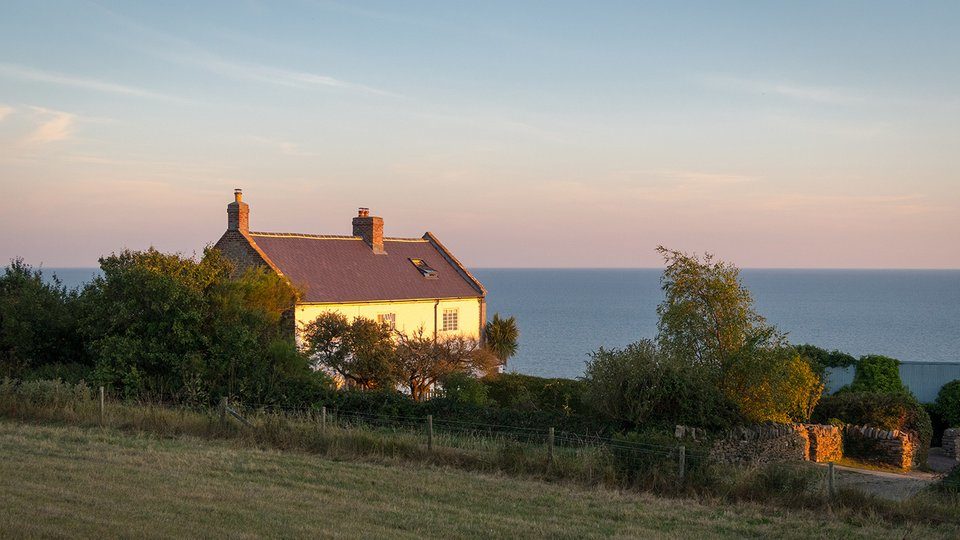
x: 389, y: 317
x: 450, y: 315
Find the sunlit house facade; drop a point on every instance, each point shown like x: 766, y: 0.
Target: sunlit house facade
x: 407, y: 283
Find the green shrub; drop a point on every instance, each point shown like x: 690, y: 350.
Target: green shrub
x: 882, y: 410
x: 948, y: 403
x: 526, y: 392
x: 38, y: 322
x: 771, y: 385
x: 639, y: 386
x: 511, y: 390
x: 463, y: 389
x: 875, y: 373
x: 164, y: 327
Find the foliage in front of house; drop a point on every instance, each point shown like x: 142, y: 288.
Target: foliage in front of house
x: 371, y: 355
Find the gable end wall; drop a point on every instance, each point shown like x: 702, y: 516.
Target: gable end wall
x: 237, y: 247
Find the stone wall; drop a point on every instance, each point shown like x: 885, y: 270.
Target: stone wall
x: 951, y: 443
x: 760, y: 444
x: 826, y: 443
x: 896, y: 448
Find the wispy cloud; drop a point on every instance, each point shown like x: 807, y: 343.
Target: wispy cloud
x: 286, y: 148
x: 785, y: 89
x: 264, y: 74
x: 700, y: 177
x: 54, y: 126
x: 908, y: 203
x: 182, y: 51
x: 5, y: 111
x: 24, y: 73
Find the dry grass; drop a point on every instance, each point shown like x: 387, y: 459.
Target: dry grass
x: 86, y: 482
x: 778, y: 488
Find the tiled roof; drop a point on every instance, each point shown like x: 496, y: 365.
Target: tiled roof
x: 331, y: 268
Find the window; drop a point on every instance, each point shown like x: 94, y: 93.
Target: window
x: 451, y: 320
x: 389, y: 319
x: 424, y: 268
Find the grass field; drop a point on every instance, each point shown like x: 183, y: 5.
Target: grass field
x: 69, y: 481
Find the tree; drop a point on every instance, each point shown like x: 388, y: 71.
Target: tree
x: 501, y: 337
x: 423, y: 361
x: 707, y: 320
x: 171, y: 328
x: 707, y: 315
x: 38, y: 324
x: 360, y: 351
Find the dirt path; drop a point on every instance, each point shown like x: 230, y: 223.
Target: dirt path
x: 896, y: 486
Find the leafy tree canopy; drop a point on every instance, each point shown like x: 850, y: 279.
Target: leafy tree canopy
x: 360, y: 351
x: 707, y: 315
x: 168, y: 327
x: 38, y: 325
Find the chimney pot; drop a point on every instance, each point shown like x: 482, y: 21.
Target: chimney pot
x: 363, y: 212
x: 238, y: 213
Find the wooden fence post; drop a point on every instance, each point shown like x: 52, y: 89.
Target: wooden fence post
x: 831, y: 483
x: 223, y: 410
x: 430, y: 432
x: 323, y: 417
x: 550, y: 444
x: 682, y: 451
x: 103, y: 405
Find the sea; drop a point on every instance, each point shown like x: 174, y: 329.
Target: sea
x: 565, y: 314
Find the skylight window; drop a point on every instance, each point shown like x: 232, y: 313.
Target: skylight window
x: 424, y: 268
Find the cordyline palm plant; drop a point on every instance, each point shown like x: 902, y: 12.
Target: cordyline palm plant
x: 502, y: 336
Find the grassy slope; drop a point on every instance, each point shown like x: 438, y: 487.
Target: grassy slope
x: 91, y: 482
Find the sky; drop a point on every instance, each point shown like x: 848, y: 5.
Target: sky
x: 523, y: 134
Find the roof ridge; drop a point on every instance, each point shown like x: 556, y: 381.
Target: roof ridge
x: 303, y: 235
x: 331, y: 236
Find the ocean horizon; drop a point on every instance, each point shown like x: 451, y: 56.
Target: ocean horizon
x: 566, y: 313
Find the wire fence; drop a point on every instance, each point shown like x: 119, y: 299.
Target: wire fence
x: 488, y: 442
x: 444, y: 432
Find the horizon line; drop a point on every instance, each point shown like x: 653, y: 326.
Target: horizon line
x: 41, y: 266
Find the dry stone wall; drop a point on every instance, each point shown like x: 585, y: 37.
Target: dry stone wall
x: 896, y: 448
x: 826, y: 443
x: 754, y: 444
x: 951, y: 443
x: 814, y: 442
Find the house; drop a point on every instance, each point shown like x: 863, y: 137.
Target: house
x: 407, y: 283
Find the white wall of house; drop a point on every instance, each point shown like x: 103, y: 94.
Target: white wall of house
x: 409, y: 315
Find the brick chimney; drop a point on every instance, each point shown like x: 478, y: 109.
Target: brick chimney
x: 370, y: 229
x: 238, y: 213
